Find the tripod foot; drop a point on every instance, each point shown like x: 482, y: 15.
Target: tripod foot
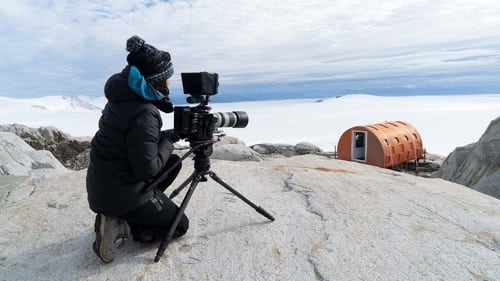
x: 239, y: 195
x: 264, y: 213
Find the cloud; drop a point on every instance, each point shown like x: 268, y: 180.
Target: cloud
x: 70, y: 47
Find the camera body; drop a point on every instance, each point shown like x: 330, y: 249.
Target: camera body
x: 196, y: 123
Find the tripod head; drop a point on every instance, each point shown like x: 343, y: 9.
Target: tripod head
x: 202, y: 152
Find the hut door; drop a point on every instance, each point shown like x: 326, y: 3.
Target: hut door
x: 359, y: 145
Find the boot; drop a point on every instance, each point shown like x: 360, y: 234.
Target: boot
x: 109, y: 230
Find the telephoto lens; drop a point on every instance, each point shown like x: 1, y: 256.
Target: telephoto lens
x: 235, y: 119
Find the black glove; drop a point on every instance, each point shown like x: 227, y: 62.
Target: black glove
x: 170, y: 135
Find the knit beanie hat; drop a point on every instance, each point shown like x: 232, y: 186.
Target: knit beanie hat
x: 154, y: 65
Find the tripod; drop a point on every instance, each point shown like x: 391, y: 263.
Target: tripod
x: 202, y: 152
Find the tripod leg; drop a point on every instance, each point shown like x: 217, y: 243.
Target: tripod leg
x: 239, y: 195
x: 183, y: 185
x: 166, y: 240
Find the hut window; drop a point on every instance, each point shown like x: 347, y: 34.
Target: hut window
x: 406, y: 138
x: 386, y: 142
x: 396, y: 139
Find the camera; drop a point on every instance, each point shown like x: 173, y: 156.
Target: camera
x: 196, y: 123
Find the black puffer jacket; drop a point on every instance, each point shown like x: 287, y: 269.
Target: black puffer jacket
x: 127, y: 150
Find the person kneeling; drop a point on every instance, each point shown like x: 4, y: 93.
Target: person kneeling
x: 130, y: 151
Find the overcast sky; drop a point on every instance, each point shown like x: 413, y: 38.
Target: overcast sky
x: 308, y: 46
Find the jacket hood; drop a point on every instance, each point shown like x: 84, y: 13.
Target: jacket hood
x: 117, y: 89
x: 123, y: 103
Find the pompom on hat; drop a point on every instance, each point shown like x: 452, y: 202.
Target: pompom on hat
x: 154, y: 64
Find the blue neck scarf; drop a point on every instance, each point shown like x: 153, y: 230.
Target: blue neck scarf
x: 141, y: 87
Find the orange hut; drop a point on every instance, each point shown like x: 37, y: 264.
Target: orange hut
x: 384, y: 145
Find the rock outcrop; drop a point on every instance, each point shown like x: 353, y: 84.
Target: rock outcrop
x: 19, y: 159
x: 287, y: 150
x: 71, y: 152
x: 233, y: 149
x: 476, y: 165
